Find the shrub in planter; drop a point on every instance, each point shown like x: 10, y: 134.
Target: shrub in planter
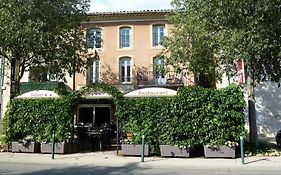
x: 27, y: 145
x: 60, y: 148
x: 39, y: 118
x: 134, y: 150
x: 174, y: 151
x: 196, y: 116
x: 221, y: 151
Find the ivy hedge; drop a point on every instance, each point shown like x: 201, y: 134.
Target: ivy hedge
x: 196, y: 116
x: 38, y: 118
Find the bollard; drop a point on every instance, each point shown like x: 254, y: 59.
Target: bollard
x: 53, y: 145
x: 242, y: 149
x: 142, y: 148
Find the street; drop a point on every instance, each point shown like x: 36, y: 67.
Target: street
x: 134, y: 169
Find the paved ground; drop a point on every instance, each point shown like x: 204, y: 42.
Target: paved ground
x: 109, y: 158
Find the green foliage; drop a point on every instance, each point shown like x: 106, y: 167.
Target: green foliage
x: 101, y: 87
x: 209, y: 36
x: 196, y: 116
x: 43, y: 33
x: 39, y: 118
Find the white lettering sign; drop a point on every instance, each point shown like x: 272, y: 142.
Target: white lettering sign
x: 39, y: 94
x: 151, y: 92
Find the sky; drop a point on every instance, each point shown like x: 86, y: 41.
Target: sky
x: 128, y: 5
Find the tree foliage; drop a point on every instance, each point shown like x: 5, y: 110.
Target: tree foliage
x: 42, y: 33
x: 210, y: 35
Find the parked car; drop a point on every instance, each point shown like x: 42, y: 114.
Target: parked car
x: 278, y: 138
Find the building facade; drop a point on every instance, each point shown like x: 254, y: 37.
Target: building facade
x: 124, y: 49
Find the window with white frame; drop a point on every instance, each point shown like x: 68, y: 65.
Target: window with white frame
x: 93, y: 71
x: 125, y: 70
x: 159, y: 70
x: 124, y: 37
x: 157, y: 34
x: 94, y: 38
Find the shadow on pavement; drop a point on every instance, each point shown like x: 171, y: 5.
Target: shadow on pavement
x: 253, y: 161
x: 131, y: 168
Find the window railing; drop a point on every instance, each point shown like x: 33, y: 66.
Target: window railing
x: 148, y: 78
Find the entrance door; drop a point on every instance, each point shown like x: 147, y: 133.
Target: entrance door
x: 86, y: 116
x: 102, y: 116
x: 94, y: 116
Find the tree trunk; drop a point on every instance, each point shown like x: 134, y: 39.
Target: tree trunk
x: 252, y: 108
x: 14, y: 79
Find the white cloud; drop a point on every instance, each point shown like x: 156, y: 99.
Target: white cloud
x: 128, y: 5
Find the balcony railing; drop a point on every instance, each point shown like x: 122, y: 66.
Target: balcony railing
x: 146, y: 78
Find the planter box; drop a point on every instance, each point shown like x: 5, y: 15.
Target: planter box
x: 60, y: 148
x: 174, y: 151
x: 220, y: 152
x: 28, y: 147
x: 134, y: 150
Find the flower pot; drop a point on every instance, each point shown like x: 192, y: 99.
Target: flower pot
x: 26, y: 147
x: 134, y: 150
x: 219, y: 152
x: 60, y: 148
x: 174, y: 151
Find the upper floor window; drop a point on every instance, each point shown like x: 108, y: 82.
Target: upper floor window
x: 125, y: 69
x: 124, y: 37
x: 93, y: 71
x: 157, y: 34
x: 94, y: 38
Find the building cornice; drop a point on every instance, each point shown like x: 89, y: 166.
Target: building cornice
x: 128, y: 16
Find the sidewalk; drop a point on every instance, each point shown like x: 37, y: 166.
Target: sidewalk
x: 110, y: 158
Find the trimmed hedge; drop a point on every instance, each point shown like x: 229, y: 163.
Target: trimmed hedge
x: 196, y: 116
x: 38, y: 118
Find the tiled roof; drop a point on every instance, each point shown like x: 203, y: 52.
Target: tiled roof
x: 123, y: 16
x: 131, y: 12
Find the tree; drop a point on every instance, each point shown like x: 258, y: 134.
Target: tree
x: 214, y: 34
x: 44, y: 33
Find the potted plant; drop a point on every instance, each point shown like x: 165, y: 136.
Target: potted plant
x: 26, y: 145
x: 64, y: 143
x: 129, y: 148
x: 221, y: 151
x: 174, y: 151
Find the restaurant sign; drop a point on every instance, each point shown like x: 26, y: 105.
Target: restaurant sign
x: 39, y: 94
x: 151, y: 92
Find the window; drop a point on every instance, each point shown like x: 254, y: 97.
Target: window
x: 125, y: 70
x: 93, y: 71
x: 94, y: 38
x: 157, y: 34
x: 159, y: 70
x: 124, y: 37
